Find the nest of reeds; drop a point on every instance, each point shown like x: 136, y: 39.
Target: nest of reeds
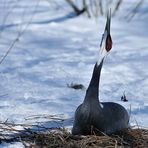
x: 61, y: 138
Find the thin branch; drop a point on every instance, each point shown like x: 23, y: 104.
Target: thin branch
x: 86, y: 8
x: 71, y: 3
x: 19, y: 35
x: 7, y: 15
x: 135, y: 10
x: 118, y: 4
x: 75, y: 8
x: 101, y: 7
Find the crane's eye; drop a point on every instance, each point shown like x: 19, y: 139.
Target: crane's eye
x: 108, y: 43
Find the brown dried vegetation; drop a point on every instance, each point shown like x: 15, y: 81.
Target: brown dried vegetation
x: 137, y: 138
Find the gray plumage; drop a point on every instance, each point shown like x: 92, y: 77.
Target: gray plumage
x: 93, y: 116
x: 107, y: 117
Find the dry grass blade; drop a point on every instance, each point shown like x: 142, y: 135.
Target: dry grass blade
x: 58, y: 117
x: 62, y: 138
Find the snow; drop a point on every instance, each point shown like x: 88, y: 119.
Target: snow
x: 12, y: 145
x: 54, y: 51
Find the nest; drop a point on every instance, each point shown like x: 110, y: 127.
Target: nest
x: 60, y: 137
x: 63, y: 139
x: 137, y: 138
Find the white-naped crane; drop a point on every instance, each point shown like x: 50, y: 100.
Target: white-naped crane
x: 93, y: 115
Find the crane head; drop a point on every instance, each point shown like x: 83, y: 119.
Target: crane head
x: 106, y: 42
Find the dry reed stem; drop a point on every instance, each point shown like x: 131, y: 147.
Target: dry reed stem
x: 60, y: 138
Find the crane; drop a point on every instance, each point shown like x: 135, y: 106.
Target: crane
x: 93, y: 115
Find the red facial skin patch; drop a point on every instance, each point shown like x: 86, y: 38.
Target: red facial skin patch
x: 108, y: 43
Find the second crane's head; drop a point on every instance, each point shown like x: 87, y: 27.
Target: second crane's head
x: 106, y: 42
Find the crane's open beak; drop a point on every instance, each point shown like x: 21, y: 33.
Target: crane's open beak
x: 107, y: 27
x: 106, y: 42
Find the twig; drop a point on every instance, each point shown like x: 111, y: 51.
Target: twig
x: 53, y: 117
x: 118, y: 4
x: 101, y: 7
x: 7, y: 15
x: 19, y: 35
x: 75, y: 8
x: 9, y: 49
x: 131, y: 15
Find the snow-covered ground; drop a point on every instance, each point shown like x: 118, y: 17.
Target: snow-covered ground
x: 53, y: 51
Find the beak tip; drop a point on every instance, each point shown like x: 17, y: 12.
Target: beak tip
x: 108, y: 22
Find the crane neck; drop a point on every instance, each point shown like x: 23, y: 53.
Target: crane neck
x: 92, y: 92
